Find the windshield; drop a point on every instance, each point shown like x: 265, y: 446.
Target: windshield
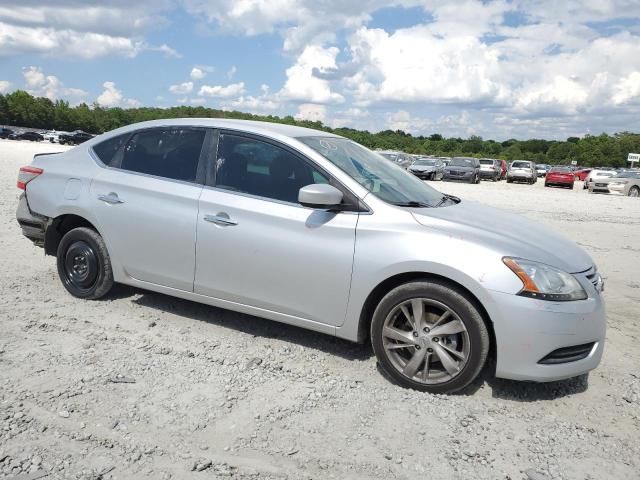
x: 486, y: 162
x: 461, y: 162
x: 385, y: 180
x: 560, y: 169
x: 627, y: 175
x: 390, y: 156
x: 426, y: 163
x: 520, y: 165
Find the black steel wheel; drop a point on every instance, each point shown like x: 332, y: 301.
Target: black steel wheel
x: 84, y: 266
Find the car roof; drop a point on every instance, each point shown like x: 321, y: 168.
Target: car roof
x: 250, y: 126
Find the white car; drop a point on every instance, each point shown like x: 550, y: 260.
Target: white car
x: 51, y: 136
x: 595, y: 175
x: 312, y: 229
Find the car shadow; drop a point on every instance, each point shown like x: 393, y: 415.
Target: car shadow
x: 251, y: 325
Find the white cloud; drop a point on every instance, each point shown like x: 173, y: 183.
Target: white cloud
x: 231, y: 90
x: 41, y: 85
x: 200, y: 71
x: 627, y: 88
x: 111, y: 96
x: 181, y: 88
x: 231, y: 73
x: 311, y: 111
x: 303, y: 85
x: 4, y: 86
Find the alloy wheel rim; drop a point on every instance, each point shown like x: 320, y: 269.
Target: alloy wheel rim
x: 634, y: 192
x: 81, y: 266
x: 426, y: 341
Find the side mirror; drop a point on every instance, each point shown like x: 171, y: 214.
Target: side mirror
x: 320, y: 195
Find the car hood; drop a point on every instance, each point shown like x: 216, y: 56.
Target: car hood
x: 509, y: 233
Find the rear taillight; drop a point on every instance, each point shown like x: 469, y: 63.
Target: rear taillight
x: 26, y: 174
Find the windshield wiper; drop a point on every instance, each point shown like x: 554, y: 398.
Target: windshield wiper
x: 413, y: 204
x: 445, y: 197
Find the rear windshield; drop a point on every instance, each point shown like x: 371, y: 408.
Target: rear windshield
x: 520, y: 165
x: 486, y: 162
x: 561, y: 169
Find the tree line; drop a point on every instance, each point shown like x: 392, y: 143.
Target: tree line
x: 22, y: 109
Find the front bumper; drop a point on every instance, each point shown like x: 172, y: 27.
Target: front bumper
x: 458, y: 175
x: 527, y: 331
x: 33, y: 226
x: 423, y: 173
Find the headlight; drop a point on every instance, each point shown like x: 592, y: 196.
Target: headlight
x: 545, y: 282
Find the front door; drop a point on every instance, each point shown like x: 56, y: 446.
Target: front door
x: 258, y: 246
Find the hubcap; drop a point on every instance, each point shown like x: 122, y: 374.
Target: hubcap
x: 634, y: 192
x: 80, y: 265
x: 426, y: 341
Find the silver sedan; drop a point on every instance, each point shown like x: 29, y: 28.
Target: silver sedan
x: 311, y: 229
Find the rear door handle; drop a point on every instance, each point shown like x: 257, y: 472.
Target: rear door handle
x: 221, y: 219
x: 111, y: 198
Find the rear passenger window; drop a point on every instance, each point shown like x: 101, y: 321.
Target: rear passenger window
x: 263, y: 169
x: 107, y: 150
x: 165, y: 152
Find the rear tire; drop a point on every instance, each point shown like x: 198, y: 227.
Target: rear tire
x: 84, y: 266
x: 634, y: 192
x: 413, y: 355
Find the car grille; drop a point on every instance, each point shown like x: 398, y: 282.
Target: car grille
x: 567, y: 354
x: 455, y: 173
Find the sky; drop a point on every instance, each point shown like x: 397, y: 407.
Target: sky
x: 499, y: 69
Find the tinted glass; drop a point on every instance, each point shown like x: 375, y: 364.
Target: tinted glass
x: 462, y: 162
x: 259, y: 168
x: 170, y: 153
x: 486, y: 162
x: 107, y: 150
x: 561, y: 169
x: 384, y: 179
x: 520, y: 165
x: 427, y: 163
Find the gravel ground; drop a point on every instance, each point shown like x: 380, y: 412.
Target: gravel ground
x: 142, y: 385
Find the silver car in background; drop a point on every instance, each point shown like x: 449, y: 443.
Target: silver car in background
x: 490, y: 169
x: 522, y: 171
x: 427, y: 168
x: 311, y: 229
x: 623, y: 183
x: 399, y: 158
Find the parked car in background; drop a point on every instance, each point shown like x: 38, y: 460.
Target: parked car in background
x: 427, y: 168
x: 31, y: 136
x: 582, y: 173
x: 52, y: 136
x: 74, y: 138
x: 185, y: 202
x: 542, y: 169
x: 5, y: 132
x: 522, y: 171
x: 399, y: 158
x: 490, y: 169
x: 624, y: 183
x: 595, y: 175
x: 559, y: 177
x: 466, y: 169
x: 504, y: 168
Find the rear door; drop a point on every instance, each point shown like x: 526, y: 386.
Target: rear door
x: 146, y: 202
x: 258, y: 246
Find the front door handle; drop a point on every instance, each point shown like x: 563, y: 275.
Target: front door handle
x: 111, y: 198
x: 221, y: 219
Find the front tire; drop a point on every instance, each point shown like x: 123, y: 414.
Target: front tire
x: 83, y: 262
x: 430, y: 337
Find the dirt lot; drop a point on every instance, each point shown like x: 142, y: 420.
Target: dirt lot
x: 142, y: 385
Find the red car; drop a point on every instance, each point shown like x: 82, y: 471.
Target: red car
x: 503, y: 167
x: 560, y: 177
x: 582, y: 174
